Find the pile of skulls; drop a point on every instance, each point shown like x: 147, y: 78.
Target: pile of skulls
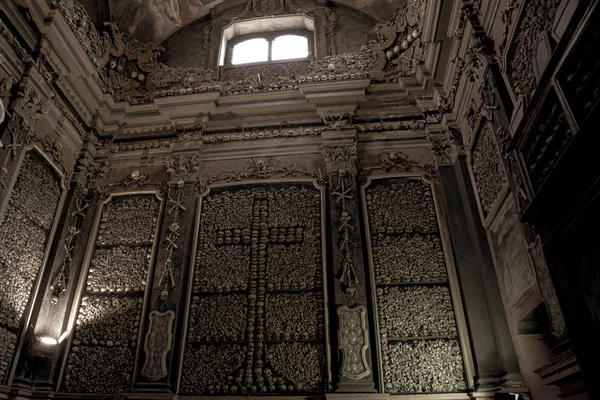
x: 408, y: 258
x: 423, y: 366
x: 490, y: 178
x: 302, y: 364
x: 37, y: 190
x: 119, y: 269
x: 207, y: 368
x: 401, y: 206
x: 21, y: 256
x: 99, y: 369
x: 108, y: 321
x: 296, y: 267
x: 8, y: 341
x: 220, y: 318
x: 294, y: 316
x: 415, y: 311
x: 129, y: 220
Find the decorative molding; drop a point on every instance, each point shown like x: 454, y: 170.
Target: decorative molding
x: 14, y: 43
x: 169, y: 81
x: 506, y: 16
x: 262, y: 133
x: 354, y: 342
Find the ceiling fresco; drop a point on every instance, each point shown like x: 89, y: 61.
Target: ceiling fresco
x: 152, y: 21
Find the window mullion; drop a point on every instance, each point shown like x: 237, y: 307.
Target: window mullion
x: 270, y: 47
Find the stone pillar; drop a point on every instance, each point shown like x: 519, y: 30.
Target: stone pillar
x: 163, y: 327
x: 354, y: 351
x: 38, y: 362
x: 493, y: 351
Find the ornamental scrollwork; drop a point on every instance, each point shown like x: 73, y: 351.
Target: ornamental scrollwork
x: 262, y: 168
x: 400, y: 162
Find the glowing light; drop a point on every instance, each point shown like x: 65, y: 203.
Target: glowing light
x: 62, y: 337
x: 288, y: 47
x: 252, y: 50
x: 48, y: 340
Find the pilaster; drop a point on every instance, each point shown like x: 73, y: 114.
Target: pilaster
x: 354, y: 352
x: 493, y: 351
x: 157, y: 366
x: 40, y: 357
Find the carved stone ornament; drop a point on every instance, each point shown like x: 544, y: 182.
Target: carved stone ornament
x: 83, y: 27
x: 182, y: 166
x: 354, y: 342
x: 399, y: 41
x: 91, y: 174
x: 340, y: 159
x: 480, y: 54
x: 446, y: 146
x: 447, y: 102
x: 30, y: 105
x: 261, y: 8
x: 158, y: 344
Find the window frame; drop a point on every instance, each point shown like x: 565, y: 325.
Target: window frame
x: 270, y: 36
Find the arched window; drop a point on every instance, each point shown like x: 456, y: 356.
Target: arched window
x: 265, y: 40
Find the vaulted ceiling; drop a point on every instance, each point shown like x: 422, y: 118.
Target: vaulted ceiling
x: 152, y: 21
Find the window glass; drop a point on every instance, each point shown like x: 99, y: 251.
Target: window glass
x: 287, y: 47
x: 248, y: 51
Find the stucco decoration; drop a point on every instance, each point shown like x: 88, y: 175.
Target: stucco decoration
x: 417, y: 328
x: 106, y: 332
x: 128, y: 69
x: 256, y: 320
x: 24, y: 230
